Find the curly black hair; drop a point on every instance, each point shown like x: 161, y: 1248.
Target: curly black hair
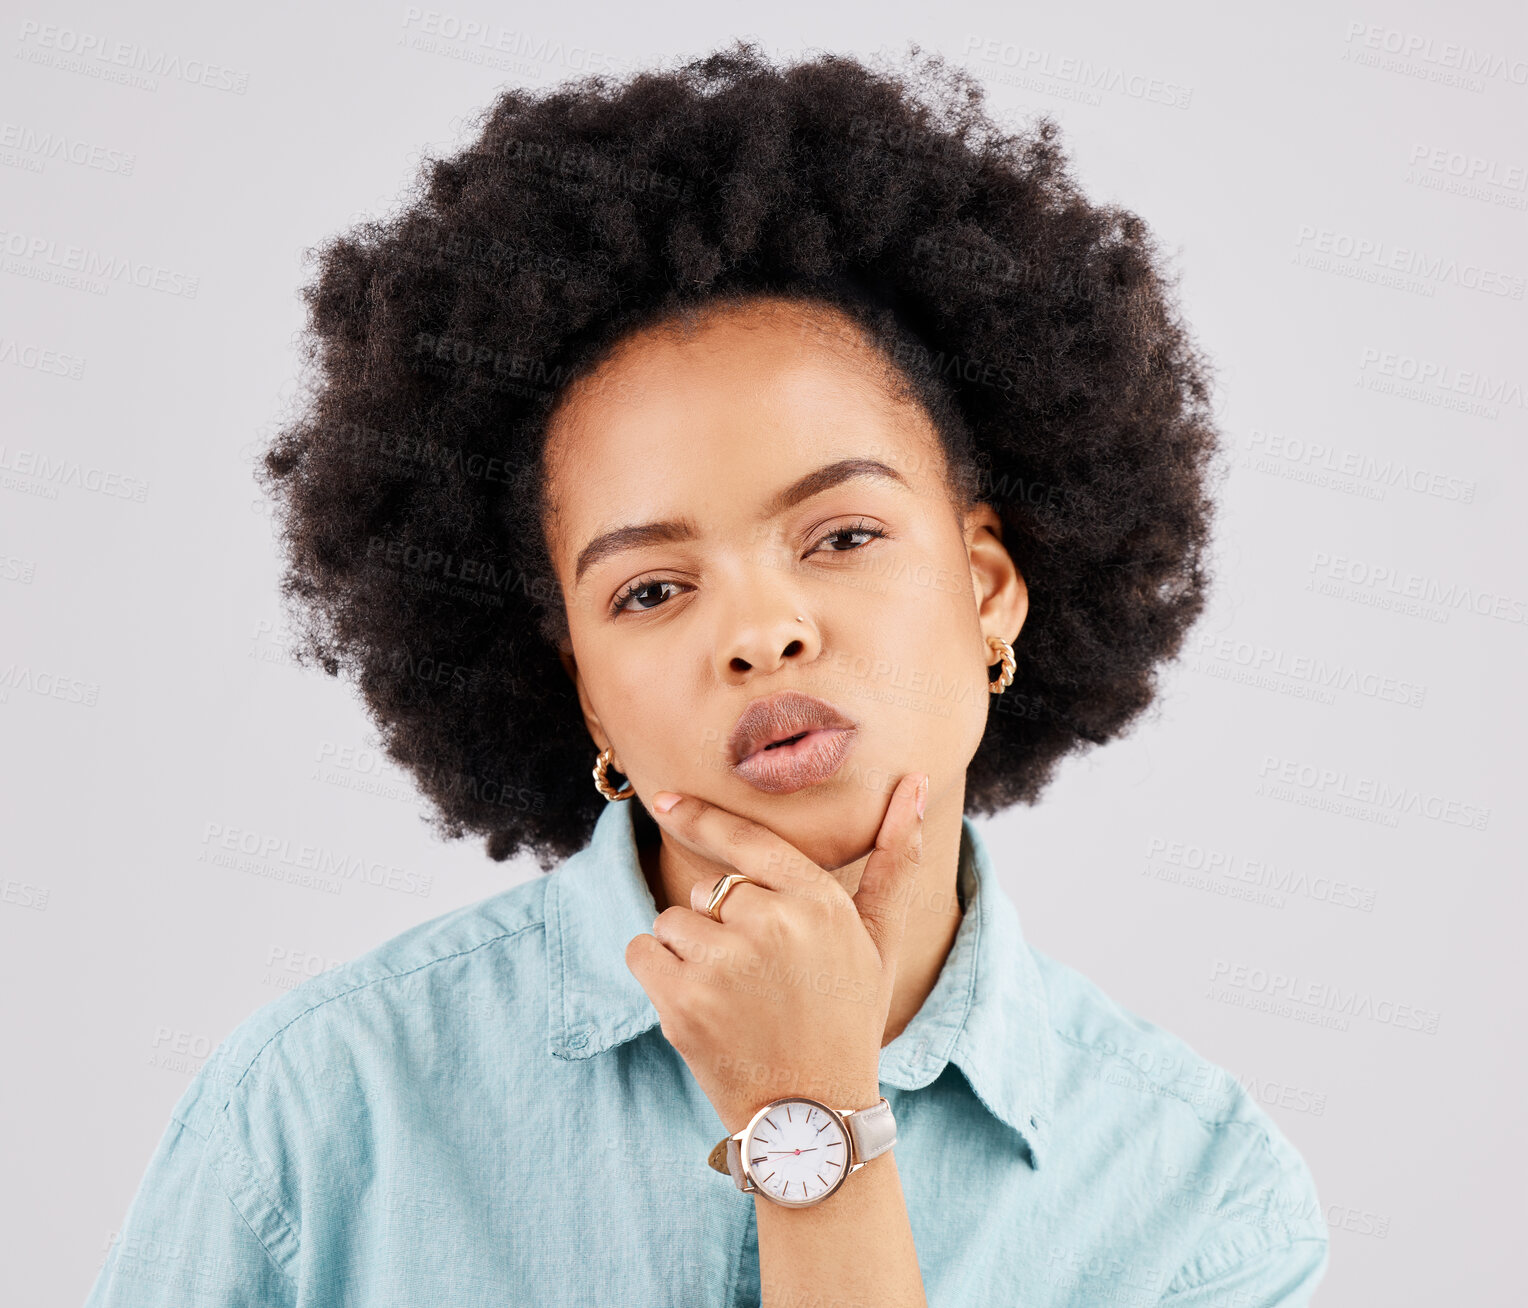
x: 1038, y: 329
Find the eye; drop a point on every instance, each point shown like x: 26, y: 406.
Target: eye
x: 861, y: 528
x: 653, y: 587
x: 630, y: 591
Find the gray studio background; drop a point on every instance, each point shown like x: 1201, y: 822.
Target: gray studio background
x: 1324, y: 804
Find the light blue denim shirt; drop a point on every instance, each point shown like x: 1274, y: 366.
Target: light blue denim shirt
x: 484, y: 1111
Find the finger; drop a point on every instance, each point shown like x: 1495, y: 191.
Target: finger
x: 892, y: 868
x: 659, y: 971
x: 668, y: 981
x: 694, y: 937
x: 740, y: 843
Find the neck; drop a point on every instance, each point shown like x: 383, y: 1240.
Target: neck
x: 933, y: 915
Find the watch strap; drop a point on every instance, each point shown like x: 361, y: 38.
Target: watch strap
x: 735, y: 1163
x: 874, y: 1130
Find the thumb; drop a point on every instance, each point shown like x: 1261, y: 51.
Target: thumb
x: 892, y: 868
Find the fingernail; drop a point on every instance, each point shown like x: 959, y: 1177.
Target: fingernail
x: 665, y: 800
x: 922, y: 794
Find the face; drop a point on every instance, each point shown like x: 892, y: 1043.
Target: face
x: 747, y: 509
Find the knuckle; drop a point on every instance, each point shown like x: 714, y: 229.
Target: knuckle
x: 797, y: 920
x: 772, y: 930
x: 809, y: 880
x: 824, y: 898
x: 830, y: 898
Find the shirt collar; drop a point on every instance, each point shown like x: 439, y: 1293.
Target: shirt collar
x: 986, y: 1013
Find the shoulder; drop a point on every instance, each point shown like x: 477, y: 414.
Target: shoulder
x: 349, y: 1020
x: 1221, y: 1172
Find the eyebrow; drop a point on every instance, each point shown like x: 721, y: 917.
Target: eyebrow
x: 658, y: 533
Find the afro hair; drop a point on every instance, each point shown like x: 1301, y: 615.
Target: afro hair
x: 1038, y: 329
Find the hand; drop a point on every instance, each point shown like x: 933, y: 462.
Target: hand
x: 789, y: 993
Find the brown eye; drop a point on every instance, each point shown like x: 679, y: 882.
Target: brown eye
x: 649, y: 592
x: 858, y: 529
x: 642, y: 586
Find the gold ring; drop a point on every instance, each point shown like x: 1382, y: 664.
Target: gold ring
x: 719, y: 893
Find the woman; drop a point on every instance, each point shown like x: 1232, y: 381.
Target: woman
x: 813, y: 461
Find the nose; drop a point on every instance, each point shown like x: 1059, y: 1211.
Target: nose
x: 764, y: 635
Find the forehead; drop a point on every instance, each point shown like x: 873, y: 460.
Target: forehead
x: 714, y: 417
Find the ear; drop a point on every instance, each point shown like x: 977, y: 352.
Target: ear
x: 591, y: 718
x: 1002, y: 597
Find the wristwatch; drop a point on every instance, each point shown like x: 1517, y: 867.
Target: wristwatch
x: 797, y: 1151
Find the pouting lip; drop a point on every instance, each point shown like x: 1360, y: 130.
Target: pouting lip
x: 778, y: 717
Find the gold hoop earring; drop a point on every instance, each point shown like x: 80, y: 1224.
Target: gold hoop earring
x: 1004, y: 652
x: 603, y: 783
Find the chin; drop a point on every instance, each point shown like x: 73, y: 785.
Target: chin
x: 831, y: 843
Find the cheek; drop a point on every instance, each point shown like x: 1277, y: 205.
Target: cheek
x: 664, y: 738
x: 920, y: 677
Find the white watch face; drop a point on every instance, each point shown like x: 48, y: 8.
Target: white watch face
x: 797, y: 1152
